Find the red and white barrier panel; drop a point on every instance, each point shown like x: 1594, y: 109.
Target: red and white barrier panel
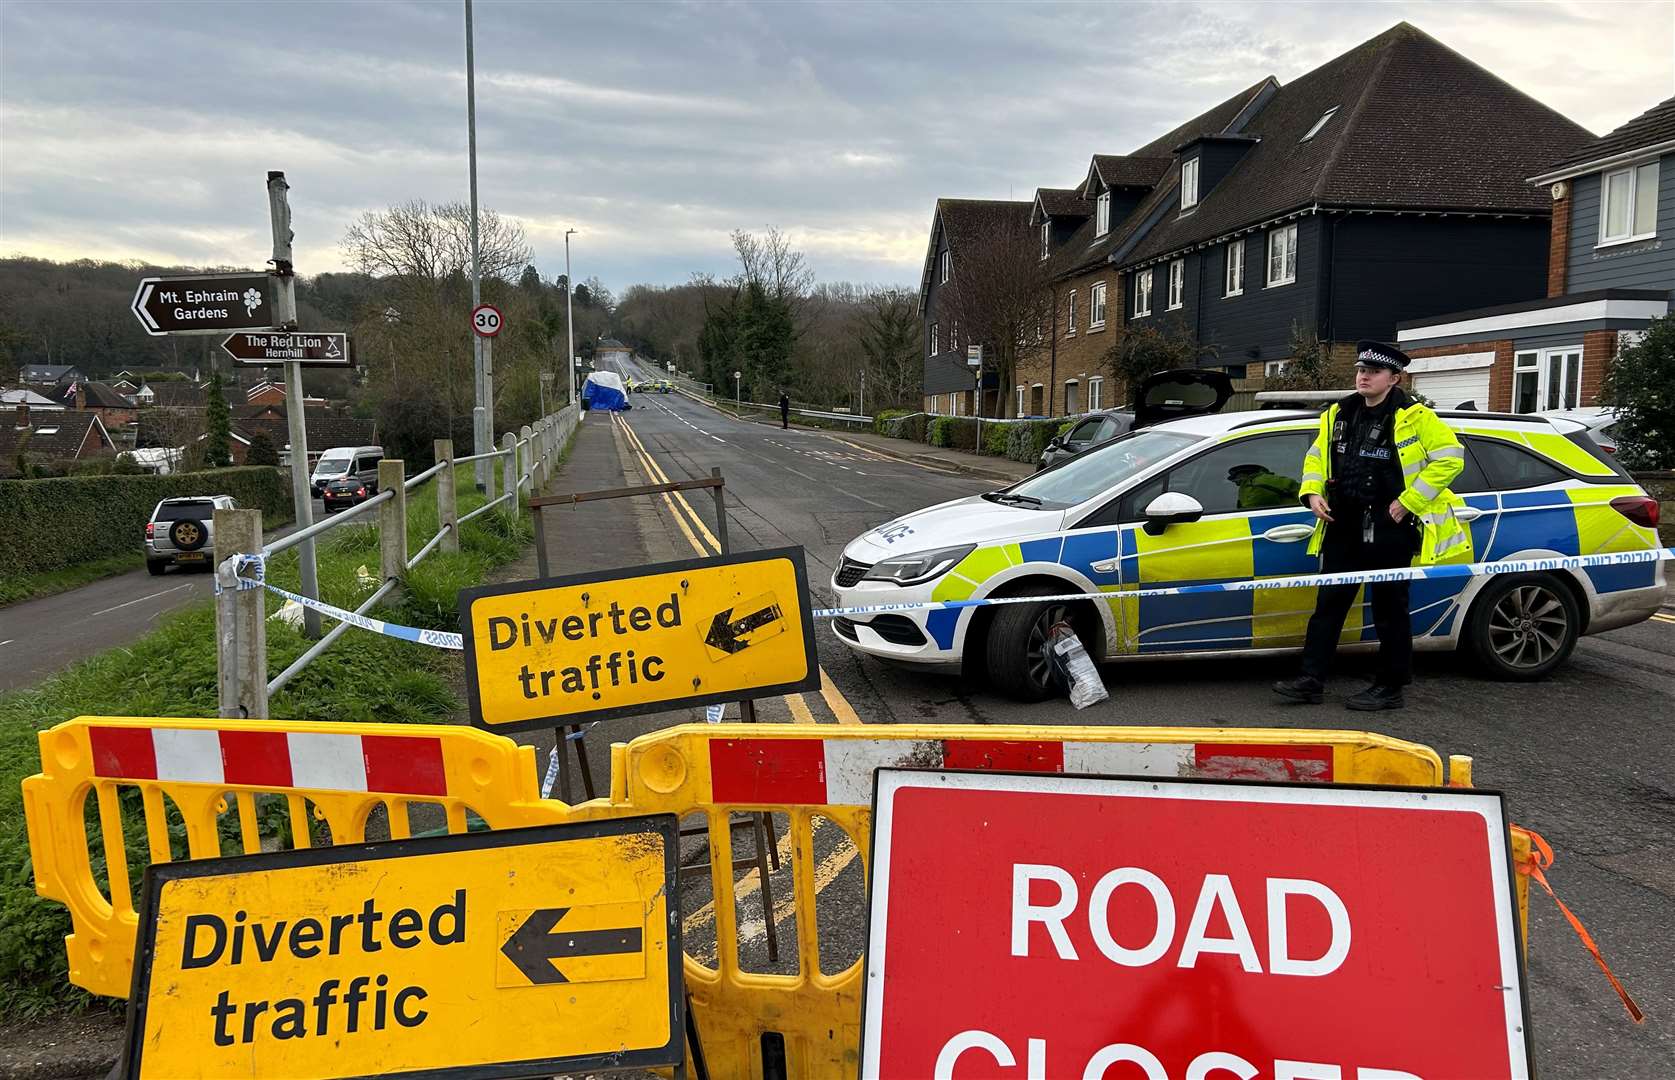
x: 838, y: 772
x: 393, y: 764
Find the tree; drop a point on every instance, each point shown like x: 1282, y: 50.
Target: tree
x: 889, y: 339
x: 261, y: 451
x: 218, y: 423
x: 1639, y: 385
x: 1001, y: 297
x: 429, y: 242
x: 1140, y: 351
x: 1310, y: 366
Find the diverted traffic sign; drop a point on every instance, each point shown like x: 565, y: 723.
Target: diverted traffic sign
x: 1051, y: 925
x: 203, y: 304
x: 298, y: 347
x: 638, y: 641
x: 522, y: 952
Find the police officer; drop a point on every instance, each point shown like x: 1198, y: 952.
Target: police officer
x: 784, y: 410
x: 1377, y: 480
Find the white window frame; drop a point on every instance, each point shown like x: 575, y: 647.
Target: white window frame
x: 1096, y: 393
x: 1022, y: 389
x: 1096, y: 306
x: 1189, y: 184
x: 1325, y: 118
x: 947, y: 264
x: 1177, y: 284
x: 1274, y: 368
x: 1633, y: 172
x: 1143, y: 293
x: 1070, y: 322
x: 1233, y: 269
x: 1286, y: 238
x: 1068, y: 411
x: 1102, y: 214
x: 1046, y: 240
x: 1539, y: 363
x: 936, y: 339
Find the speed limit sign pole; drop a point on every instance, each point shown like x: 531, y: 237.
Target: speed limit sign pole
x: 485, y: 325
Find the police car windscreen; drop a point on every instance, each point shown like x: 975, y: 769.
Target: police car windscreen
x: 1098, y: 470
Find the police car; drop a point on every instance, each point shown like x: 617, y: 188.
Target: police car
x: 1211, y: 498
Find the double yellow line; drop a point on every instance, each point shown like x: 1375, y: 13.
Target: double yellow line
x: 692, y: 527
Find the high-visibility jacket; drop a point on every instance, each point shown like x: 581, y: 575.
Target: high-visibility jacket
x: 1431, y: 457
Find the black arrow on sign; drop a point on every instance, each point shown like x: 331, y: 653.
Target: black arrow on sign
x: 725, y: 633
x: 534, y: 946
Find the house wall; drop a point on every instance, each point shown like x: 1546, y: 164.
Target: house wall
x: 944, y: 371
x: 1599, y: 349
x: 1644, y: 264
x: 1388, y: 269
x: 1071, y: 352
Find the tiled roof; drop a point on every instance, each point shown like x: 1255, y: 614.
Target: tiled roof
x: 324, y: 433
x: 98, y: 395
x: 1418, y: 126
x: 43, y: 372
x: 1063, y: 202
x: 177, y: 392
x: 1128, y: 170
x: 57, y: 436
x: 1651, y: 128
x: 966, y: 221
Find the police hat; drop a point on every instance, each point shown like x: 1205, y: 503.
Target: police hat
x: 1379, y: 355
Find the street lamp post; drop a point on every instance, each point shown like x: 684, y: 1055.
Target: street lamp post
x: 569, y: 323
x: 482, y: 416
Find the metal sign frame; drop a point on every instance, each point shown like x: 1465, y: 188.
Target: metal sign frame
x: 348, y: 360
x: 879, y: 874
x: 810, y: 680
x: 672, y: 1053
x: 148, y: 286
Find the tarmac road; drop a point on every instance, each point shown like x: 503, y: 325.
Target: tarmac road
x: 1585, y: 757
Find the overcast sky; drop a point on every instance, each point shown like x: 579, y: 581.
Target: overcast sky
x: 144, y: 130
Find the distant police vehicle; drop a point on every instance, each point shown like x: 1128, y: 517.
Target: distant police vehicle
x: 1213, y: 498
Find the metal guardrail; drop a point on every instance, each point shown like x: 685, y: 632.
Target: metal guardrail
x: 526, y: 460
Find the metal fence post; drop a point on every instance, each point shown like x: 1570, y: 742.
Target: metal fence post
x: 509, y: 470
x: 241, y: 636
x: 447, y: 505
x: 526, y: 457
x: 392, y: 520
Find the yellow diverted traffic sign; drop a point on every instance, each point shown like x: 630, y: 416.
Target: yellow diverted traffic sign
x: 640, y: 640
x: 512, y: 953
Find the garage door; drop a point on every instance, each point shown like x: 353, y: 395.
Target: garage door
x: 1451, y: 389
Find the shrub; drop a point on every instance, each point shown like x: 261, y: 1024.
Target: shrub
x: 995, y: 437
x: 962, y: 434
x: 941, y: 431
x: 76, y: 519
x: 881, y: 420
x: 1026, y: 440
x: 912, y: 426
x: 1637, y: 383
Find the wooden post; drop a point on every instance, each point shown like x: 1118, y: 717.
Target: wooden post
x: 392, y: 520
x: 447, y: 504
x: 241, y: 637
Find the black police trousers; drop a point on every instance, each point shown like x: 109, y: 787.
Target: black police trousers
x: 1344, y: 551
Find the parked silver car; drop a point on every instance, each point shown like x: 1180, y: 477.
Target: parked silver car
x: 182, y: 531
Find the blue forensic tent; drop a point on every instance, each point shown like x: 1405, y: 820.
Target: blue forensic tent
x: 603, y: 390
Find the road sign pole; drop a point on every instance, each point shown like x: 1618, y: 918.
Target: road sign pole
x: 483, y: 414
x: 285, y: 316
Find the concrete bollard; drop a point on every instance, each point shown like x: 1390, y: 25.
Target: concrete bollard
x: 392, y: 520
x: 447, y: 501
x: 509, y: 470
x: 241, y: 633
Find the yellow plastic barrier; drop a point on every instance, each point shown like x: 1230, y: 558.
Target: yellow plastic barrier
x: 752, y: 1024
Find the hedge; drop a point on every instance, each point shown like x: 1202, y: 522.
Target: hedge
x: 54, y: 523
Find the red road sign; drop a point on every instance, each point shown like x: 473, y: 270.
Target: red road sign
x: 485, y: 320
x: 1052, y: 925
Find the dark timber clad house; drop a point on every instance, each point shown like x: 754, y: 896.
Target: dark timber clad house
x: 1610, y: 271
x: 1389, y: 184
x: 949, y: 386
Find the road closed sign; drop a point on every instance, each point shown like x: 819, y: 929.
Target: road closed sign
x: 639, y: 640
x: 1048, y: 925
x: 522, y: 952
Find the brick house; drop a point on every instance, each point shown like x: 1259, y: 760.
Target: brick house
x: 59, y: 436
x: 1610, y: 271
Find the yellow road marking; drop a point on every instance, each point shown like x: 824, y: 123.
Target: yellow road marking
x: 800, y: 713
x: 1661, y: 617
x: 835, y: 700
x: 824, y: 874
x: 742, y: 888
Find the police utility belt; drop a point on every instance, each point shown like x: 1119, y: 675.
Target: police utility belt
x: 1359, y: 482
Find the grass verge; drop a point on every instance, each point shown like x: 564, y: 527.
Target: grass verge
x: 172, y: 672
x: 52, y: 582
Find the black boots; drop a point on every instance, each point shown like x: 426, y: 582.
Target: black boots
x: 1376, y: 697
x: 1305, y: 688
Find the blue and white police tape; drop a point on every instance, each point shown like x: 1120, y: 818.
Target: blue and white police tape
x: 1299, y: 581
x: 228, y: 575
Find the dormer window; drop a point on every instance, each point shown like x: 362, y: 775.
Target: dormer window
x: 1102, y: 214
x: 1189, y: 183
x: 1046, y: 238
x: 1325, y: 118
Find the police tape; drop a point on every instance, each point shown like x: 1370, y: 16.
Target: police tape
x: 228, y: 575
x: 1299, y: 581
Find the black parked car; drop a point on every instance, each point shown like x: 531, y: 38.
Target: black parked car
x: 1167, y: 395
x: 342, y: 494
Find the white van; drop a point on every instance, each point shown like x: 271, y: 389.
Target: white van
x: 348, y: 462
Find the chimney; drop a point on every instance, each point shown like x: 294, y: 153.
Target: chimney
x: 22, y: 417
x: 81, y: 397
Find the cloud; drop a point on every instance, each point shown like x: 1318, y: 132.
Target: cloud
x: 145, y: 131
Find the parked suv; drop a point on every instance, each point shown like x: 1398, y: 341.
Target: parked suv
x: 348, y: 463
x: 182, y: 531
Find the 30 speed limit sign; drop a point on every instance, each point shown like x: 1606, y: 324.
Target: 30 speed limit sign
x: 485, y: 319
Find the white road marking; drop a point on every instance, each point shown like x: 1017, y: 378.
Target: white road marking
x: 142, y: 599
x: 8, y: 641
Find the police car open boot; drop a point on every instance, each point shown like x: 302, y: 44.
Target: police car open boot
x: 1376, y: 697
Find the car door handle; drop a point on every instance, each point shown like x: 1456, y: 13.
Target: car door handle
x: 1467, y: 513
x: 1288, y: 534
x: 1109, y: 566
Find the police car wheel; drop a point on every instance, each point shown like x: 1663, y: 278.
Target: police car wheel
x: 1019, y: 666
x: 1522, y: 628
